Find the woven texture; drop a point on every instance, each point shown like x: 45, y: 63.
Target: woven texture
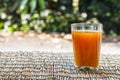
x: 54, y: 66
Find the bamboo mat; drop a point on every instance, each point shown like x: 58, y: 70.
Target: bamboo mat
x: 40, y: 65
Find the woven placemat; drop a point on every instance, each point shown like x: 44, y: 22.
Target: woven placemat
x: 39, y: 65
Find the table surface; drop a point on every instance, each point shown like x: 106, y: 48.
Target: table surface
x: 54, y: 66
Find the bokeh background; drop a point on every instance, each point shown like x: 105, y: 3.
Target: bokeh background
x: 45, y: 24
x: 57, y: 15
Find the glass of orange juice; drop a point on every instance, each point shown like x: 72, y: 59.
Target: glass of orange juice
x: 86, y: 38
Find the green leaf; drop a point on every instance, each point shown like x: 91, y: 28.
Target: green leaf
x: 11, y: 28
x: 41, y: 4
x: 16, y: 5
x: 25, y: 10
x: 1, y: 25
x: 35, y: 15
x: 23, y: 4
x: 32, y: 5
x: 1, y: 11
x: 25, y: 27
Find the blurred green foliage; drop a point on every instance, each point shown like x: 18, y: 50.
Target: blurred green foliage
x: 106, y: 11
x: 26, y: 6
x: 34, y: 15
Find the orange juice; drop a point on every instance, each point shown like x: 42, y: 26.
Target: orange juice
x: 86, y: 47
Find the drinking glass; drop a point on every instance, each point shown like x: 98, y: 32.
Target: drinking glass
x: 86, y: 38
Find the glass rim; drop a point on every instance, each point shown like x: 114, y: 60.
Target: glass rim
x: 99, y: 26
x: 82, y: 23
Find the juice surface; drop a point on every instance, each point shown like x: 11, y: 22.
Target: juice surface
x: 86, y: 45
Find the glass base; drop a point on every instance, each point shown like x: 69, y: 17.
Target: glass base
x: 86, y: 68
